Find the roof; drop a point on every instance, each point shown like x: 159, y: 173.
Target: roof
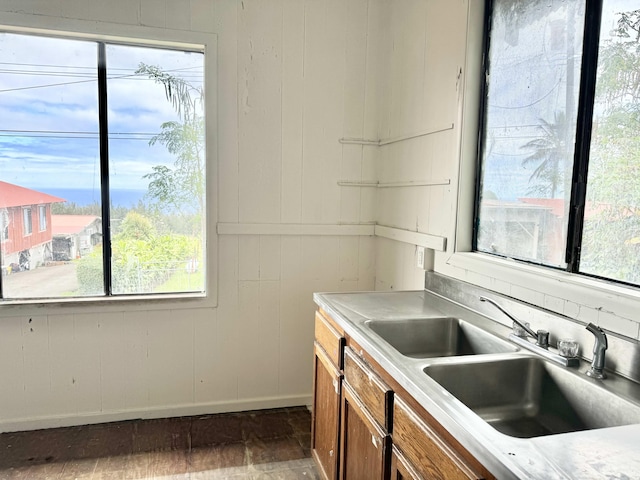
x: 16, y: 196
x: 71, y: 224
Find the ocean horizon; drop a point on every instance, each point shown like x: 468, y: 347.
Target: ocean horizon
x: 121, y: 197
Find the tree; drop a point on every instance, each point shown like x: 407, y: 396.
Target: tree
x: 549, y: 153
x: 611, y: 242
x: 182, y: 187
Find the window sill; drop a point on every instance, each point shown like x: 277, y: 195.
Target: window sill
x: 601, y: 295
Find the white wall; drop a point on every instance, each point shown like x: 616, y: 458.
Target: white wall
x: 293, y: 77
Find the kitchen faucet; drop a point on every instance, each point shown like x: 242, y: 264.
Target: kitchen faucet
x: 599, y: 347
x: 541, y: 336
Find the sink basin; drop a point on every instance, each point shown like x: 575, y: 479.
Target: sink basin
x: 438, y: 337
x: 528, y: 397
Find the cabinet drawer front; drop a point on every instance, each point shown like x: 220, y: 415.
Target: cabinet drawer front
x: 429, y: 454
x: 371, y: 390
x: 329, y: 339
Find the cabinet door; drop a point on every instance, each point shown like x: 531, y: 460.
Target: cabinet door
x: 401, y: 469
x: 325, y: 418
x: 364, y: 446
x: 429, y: 454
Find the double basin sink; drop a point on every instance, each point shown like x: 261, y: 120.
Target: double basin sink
x: 518, y: 394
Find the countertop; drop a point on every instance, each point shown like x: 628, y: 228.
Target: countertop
x: 604, y: 453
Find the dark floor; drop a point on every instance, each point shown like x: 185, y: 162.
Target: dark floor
x: 266, y: 444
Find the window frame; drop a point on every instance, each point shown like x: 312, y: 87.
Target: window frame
x: 131, y: 35
x: 42, y: 218
x: 554, y: 289
x: 27, y: 221
x: 585, y: 110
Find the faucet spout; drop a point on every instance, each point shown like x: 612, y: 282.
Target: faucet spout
x: 599, y: 347
x: 541, y: 336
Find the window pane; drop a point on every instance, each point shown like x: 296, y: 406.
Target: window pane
x: 529, y: 130
x: 49, y: 157
x: 611, y: 240
x: 157, y: 169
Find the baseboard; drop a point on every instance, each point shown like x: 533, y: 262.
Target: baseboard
x: 54, y: 421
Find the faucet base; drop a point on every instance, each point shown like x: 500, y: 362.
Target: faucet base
x: 596, y: 373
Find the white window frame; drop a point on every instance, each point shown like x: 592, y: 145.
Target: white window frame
x: 140, y: 36
x: 42, y: 218
x: 531, y: 283
x: 27, y: 221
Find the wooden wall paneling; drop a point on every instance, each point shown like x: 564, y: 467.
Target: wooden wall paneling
x: 260, y: 110
x: 12, y: 403
x: 348, y: 267
x: 202, y: 15
x: 293, y: 99
x: 170, y: 367
x: 226, y: 26
x: 248, y: 257
x: 269, y: 265
x: 62, y: 364
x: 208, y: 362
x: 324, y: 70
x: 134, y: 331
x: 86, y: 348
x: 366, y: 263
x: 113, y: 364
x: 153, y: 14
x: 228, y: 331
x: 296, y: 340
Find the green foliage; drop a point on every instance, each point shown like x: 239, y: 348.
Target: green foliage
x: 182, y: 187
x: 612, y: 229
x: 89, y: 271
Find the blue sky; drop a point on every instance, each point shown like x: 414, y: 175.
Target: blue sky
x: 69, y: 156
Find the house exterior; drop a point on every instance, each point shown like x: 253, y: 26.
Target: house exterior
x: 25, y: 226
x: 75, y: 235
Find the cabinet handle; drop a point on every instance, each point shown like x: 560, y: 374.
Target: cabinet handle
x: 336, y: 386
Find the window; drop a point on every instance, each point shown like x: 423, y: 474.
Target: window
x: 27, y: 224
x: 4, y: 225
x: 110, y: 138
x: 559, y: 181
x: 42, y: 216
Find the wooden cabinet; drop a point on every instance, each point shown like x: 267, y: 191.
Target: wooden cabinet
x: 430, y: 455
x: 366, y: 426
x: 327, y: 385
x: 401, y: 469
x: 364, y: 445
x: 366, y: 420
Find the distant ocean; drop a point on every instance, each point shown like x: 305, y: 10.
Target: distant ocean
x: 87, y: 196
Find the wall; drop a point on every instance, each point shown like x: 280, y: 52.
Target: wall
x: 424, y: 48
x: 293, y: 77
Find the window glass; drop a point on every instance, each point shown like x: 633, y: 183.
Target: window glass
x: 50, y: 158
x: 611, y: 241
x: 42, y: 217
x: 529, y: 129
x: 156, y: 164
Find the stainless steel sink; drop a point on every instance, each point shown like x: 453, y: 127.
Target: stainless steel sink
x: 438, y: 337
x: 528, y: 397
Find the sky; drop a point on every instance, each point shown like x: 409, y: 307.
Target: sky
x: 49, y: 111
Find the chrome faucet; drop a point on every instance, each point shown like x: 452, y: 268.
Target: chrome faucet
x: 541, y: 336
x: 599, y: 347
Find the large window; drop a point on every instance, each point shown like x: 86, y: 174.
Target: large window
x: 559, y: 181
x: 110, y: 138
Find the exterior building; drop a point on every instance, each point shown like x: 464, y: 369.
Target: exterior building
x: 25, y: 227
x: 75, y: 235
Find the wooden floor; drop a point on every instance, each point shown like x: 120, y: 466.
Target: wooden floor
x: 267, y: 444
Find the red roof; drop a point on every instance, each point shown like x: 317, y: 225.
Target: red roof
x: 16, y: 196
x: 70, y: 224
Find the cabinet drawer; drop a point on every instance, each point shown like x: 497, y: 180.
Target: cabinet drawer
x: 371, y: 390
x: 429, y: 454
x: 329, y: 339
